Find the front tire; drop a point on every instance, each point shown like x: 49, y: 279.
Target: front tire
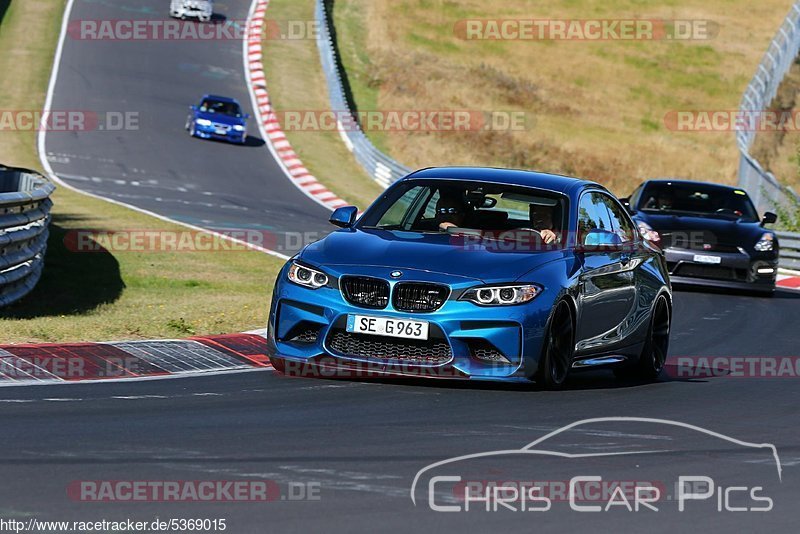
x: 558, y: 349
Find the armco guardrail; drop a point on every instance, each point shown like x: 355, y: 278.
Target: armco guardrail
x: 381, y: 167
x: 763, y: 187
x: 790, y: 250
x: 24, y: 218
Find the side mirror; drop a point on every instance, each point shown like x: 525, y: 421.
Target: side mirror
x: 246, y: 115
x: 600, y: 240
x: 626, y: 202
x: 344, y: 217
x: 193, y: 108
x: 769, y: 218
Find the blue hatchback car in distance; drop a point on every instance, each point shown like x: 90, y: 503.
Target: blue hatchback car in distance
x: 218, y: 117
x: 476, y: 273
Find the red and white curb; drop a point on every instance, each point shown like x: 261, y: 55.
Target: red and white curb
x: 267, y: 121
x: 788, y: 280
x: 77, y: 362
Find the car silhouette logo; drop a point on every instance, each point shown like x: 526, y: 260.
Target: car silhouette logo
x: 396, y: 274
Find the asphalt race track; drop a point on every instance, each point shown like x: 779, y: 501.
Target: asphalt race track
x: 155, y: 164
x: 356, y: 446
x: 362, y: 442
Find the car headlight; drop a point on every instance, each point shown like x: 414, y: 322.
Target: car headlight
x: 766, y: 243
x: 307, y: 277
x: 238, y: 128
x: 501, y: 295
x: 203, y: 122
x: 648, y: 233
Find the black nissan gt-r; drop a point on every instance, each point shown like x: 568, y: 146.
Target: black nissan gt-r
x: 711, y: 234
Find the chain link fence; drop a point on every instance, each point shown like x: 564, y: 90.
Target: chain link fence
x: 24, y: 219
x: 763, y: 187
x: 380, y: 166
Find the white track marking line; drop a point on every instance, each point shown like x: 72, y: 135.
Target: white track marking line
x: 185, y: 374
x: 41, y: 144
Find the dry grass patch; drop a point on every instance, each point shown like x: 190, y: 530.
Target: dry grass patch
x: 596, y: 109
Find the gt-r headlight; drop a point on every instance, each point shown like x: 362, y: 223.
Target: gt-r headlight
x: 203, y: 122
x: 307, y: 277
x: 501, y: 295
x: 648, y: 233
x: 766, y: 243
x: 238, y: 127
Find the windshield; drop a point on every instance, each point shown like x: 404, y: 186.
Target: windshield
x: 448, y: 206
x: 230, y: 109
x: 697, y: 199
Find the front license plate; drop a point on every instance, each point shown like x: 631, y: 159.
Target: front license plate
x: 221, y: 131
x: 385, y: 326
x: 700, y: 258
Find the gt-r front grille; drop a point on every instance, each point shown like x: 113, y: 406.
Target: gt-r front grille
x: 419, y: 297
x: 703, y: 241
x: 366, y: 292
x: 717, y: 272
x: 431, y: 352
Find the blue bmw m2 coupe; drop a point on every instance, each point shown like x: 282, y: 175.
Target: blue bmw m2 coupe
x: 476, y: 273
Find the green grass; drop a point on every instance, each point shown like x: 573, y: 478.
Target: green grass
x: 107, y: 295
x: 114, y: 295
x: 29, y: 31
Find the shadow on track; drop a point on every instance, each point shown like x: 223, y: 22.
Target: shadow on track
x: 72, y: 282
x: 253, y: 141
x: 780, y: 293
x: 587, y: 380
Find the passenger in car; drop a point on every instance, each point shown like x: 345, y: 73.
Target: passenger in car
x: 542, y: 217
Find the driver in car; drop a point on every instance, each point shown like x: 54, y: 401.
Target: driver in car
x: 450, y: 210
x: 663, y: 201
x: 542, y: 221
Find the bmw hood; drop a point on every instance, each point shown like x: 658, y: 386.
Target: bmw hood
x: 486, y: 261
x: 712, y: 230
x: 220, y: 118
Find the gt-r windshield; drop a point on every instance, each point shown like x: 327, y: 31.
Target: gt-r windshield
x: 697, y: 199
x: 450, y: 206
x: 230, y: 109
